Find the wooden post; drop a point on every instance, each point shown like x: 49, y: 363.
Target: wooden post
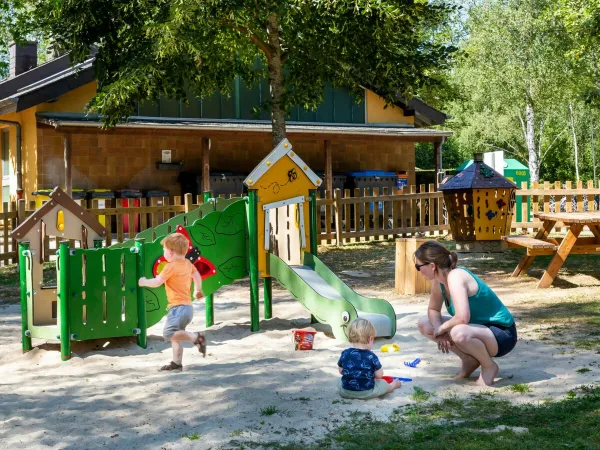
x: 437, y: 150
x: 205, y: 164
x: 328, y: 167
x: 408, y: 280
x: 338, y: 217
x: 67, y: 157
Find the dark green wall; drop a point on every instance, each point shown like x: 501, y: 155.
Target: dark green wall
x: 338, y: 106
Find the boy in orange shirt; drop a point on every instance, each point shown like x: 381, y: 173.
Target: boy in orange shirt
x: 177, y: 277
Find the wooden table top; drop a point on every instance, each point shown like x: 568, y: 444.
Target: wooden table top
x: 571, y: 217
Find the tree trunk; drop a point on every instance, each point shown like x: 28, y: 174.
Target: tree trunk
x: 534, y: 160
x: 593, y: 150
x: 574, y: 142
x: 275, y: 67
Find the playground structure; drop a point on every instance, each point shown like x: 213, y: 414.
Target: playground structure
x: 480, y: 205
x: 264, y: 235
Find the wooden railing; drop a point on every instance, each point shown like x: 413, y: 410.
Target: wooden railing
x: 366, y: 214
x: 345, y: 216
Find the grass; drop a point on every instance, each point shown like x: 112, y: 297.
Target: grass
x: 583, y: 370
x: 269, y: 411
x: 420, y: 395
x: 235, y: 433
x: 520, y: 388
x: 192, y: 437
x: 481, y: 422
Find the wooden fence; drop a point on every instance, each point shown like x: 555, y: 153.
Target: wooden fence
x: 345, y: 216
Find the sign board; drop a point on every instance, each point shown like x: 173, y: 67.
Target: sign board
x: 166, y: 156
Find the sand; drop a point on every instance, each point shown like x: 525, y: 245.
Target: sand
x: 111, y: 395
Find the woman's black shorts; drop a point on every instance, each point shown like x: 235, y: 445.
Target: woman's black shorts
x: 505, y: 336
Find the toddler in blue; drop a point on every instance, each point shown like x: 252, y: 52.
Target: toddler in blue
x: 360, y: 368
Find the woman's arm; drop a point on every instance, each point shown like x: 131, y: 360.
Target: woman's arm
x: 458, y: 283
x: 434, y: 311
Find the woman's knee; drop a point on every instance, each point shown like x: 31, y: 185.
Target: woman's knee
x: 424, y: 326
x: 460, y: 334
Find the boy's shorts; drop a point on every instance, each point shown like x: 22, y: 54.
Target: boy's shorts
x: 178, y: 318
x: 380, y: 388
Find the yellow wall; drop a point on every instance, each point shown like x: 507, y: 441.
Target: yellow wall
x: 378, y: 113
x: 274, y: 186
x: 73, y: 101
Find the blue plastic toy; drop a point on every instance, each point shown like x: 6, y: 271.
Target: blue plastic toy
x: 413, y: 364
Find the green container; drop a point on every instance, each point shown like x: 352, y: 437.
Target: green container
x: 517, y: 173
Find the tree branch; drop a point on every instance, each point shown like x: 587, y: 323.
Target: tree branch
x: 543, y: 154
x: 266, y: 48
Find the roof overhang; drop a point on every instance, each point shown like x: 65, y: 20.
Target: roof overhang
x: 49, y: 88
x: 215, y: 127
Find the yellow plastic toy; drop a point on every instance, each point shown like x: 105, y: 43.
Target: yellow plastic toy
x: 390, y: 348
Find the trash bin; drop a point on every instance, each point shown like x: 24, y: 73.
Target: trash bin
x: 339, y: 182
x: 373, y: 179
x: 97, y: 200
x: 43, y: 195
x: 130, y: 198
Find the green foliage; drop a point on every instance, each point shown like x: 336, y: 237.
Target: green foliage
x: 269, y: 411
x: 420, y: 395
x: 520, y: 388
x: 513, y: 84
x: 192, y: 437
x: 453, y: 155
x: 182, y: 50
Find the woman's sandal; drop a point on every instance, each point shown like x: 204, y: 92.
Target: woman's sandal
x: 172, y: 366
x: 201, y: 343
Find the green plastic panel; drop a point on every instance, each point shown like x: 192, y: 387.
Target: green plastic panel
x: 221, y: 238
x: 337, y: 313
x: 365, y: 304
x: 103, y: 285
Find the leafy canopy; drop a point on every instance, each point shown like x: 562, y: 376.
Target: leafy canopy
x: 152, y: 48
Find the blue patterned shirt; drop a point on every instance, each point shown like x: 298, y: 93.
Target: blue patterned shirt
x: 358, y: 369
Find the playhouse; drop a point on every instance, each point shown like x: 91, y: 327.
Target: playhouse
x: 269, y: 234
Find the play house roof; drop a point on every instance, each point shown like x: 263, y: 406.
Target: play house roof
x: 58, y: 197
x: 283, y: 149
x: 477, y: 176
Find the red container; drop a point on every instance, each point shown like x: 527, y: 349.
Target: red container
x: 303, y: 339
x: 387, y: 379
x: 135, y: 203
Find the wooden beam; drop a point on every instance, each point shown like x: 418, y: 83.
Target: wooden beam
x: 560, y: 256
x: 328, y: 167
x: 205, y: 164
x: 68, y: 158
x: 437, y: 150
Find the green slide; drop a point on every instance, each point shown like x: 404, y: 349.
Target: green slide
x: 329, y: 299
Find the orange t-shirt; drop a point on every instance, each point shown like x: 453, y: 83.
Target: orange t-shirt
x: 178, y: 282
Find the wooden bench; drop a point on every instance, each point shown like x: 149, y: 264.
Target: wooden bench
x: 529, y: 243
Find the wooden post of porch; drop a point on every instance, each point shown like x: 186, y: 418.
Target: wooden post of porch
x: 67, y: 157
x: 328, y: 168
x: 205, y: 164
x: 437, y: 148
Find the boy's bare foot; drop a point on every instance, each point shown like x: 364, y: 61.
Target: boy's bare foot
x: 487, y: 375
x: 172, y: 367
x: 469, y: 365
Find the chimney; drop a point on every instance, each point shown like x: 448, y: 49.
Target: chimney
x: 23, y: 57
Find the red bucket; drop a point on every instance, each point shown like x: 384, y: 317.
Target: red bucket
x: 303, y: 339
x: 388, y: 380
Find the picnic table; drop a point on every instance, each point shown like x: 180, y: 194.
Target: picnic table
x: 572, y: 243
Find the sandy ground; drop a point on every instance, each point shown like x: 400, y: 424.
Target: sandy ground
x: 110, y: 395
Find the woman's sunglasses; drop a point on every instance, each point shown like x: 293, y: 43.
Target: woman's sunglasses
x: 418, y: 266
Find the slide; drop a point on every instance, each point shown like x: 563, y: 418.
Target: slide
x: 329, y: 299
